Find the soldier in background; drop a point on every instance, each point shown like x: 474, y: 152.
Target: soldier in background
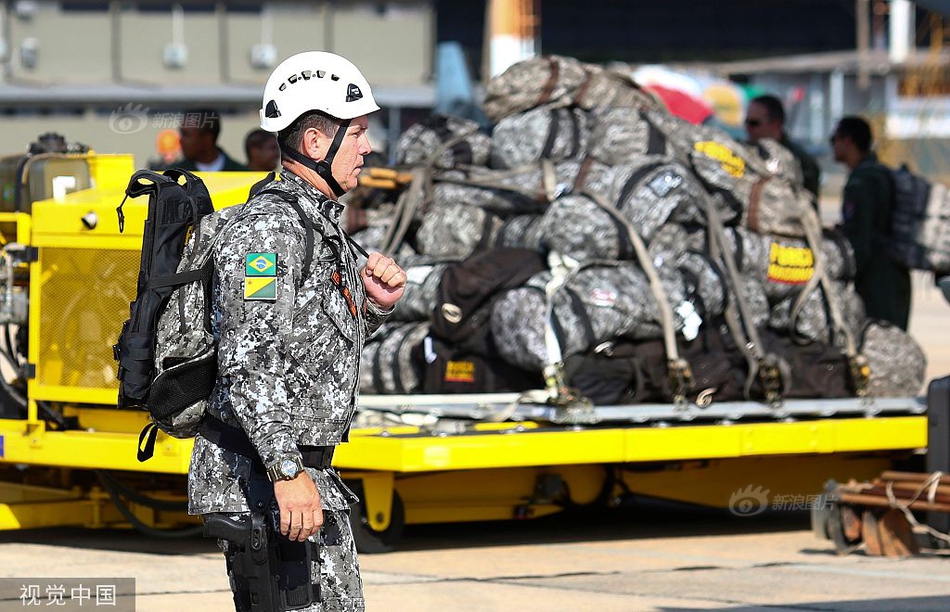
x: 262, y: 151
x: 866, y: 210
x: 199, y: 133
x: 291, y: 326
x: 765, y: 118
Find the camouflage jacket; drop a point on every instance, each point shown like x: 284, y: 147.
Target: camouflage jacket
x: 288, y: 346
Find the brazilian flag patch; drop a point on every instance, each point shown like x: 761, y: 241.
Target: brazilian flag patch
x: 262, y: 288
x: 260, y: 264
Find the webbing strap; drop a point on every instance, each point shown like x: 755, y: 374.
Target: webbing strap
x: 457, y: 143
x: 578, y: 307
x: 408, y: 203
x: 740, y: 324
x: 633, y: 182
x: 646, y: 263
x: 656, y: 140
x: 554, y: 125
x: 812, y: 227
x: 548, y: 88
x: 181, y: 278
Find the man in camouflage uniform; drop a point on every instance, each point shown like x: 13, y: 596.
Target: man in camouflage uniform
x: 866, y: 210
x: 289, y: 340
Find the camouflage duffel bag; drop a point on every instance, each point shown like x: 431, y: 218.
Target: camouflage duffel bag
x: 655, y: 190
x: 444, y: 142
x: 524, y: 190
x: 454, y: 231
x: 521, y: 231
x: 784, y: 265
x: 897, y: 363
x: 599, y: 303
x: 754, y: 300
x: 540, y: 133
x: 814, y: 319
x: 920, y: 225
x: 576, y: 226
x: 422, y: 286
x: 727, y: 168
x: 390, y: 360
x: 624, y: 135
x: 777, y: 207
x: 560, y: 81
x: 779, y: 161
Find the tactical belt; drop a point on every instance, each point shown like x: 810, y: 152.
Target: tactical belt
x: 235, y: 439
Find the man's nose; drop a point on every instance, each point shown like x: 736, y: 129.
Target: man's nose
x: 366, y: 147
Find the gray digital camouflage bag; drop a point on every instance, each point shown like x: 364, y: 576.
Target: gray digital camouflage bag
x: 576, y: 226
x: 920, y: 225
x: 898, y: 364
x: 454, y: 230
x: 541, y: 133
x: 779, y: 161
x: 783, y: 265
x: 443, y: 142
x: 389, y: 360
x: 521, y: 231
x: 624, y: 135
x: 599, y: 303
x: 814, y: 319
x: 654, y: 190
x: 523, y: 190
x: 560, y: 81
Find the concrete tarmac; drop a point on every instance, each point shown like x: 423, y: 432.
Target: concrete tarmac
x: 661, y: 558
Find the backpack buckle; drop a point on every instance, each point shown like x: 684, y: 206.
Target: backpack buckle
x: 681, y: 380
x: 771, y: 378
x: 860, y: 374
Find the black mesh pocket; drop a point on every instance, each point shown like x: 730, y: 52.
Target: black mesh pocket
x: 182, y: 385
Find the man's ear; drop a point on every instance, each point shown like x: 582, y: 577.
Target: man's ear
x: 313, y: 145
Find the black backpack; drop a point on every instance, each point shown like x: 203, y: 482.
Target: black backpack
x: 920, y: 230
x: 168, y: 355
x: 468, y: 289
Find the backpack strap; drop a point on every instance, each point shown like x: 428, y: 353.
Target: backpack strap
x: 304, y: 219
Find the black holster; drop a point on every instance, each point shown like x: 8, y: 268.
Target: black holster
x: 270, y: 572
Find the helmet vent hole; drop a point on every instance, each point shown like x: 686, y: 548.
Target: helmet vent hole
x: 321, y: 74
x: 334, y: 77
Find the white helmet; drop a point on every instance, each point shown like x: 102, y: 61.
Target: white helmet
x: 315, y: 81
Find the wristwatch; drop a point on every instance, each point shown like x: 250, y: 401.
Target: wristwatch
x: 285, y: 468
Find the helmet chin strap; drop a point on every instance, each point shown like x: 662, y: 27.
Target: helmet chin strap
x: 324, y: 167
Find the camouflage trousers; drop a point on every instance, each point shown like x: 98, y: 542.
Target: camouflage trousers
x: 337, y: 573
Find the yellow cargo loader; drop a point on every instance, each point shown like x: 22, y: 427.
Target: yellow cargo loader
x: 68, y: 455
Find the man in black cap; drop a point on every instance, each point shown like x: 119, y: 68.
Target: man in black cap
x: 199, y: 133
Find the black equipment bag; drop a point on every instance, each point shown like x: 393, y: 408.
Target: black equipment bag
x: 449, y: 369
x: 468, y: 288
x: 173, y: 210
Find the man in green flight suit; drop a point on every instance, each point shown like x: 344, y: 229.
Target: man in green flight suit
x: 765, y: 118
x: 866, y: 210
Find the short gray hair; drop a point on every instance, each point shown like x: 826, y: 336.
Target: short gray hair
x: 292, y: 135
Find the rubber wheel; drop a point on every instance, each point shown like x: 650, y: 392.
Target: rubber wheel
x: 368, y: 540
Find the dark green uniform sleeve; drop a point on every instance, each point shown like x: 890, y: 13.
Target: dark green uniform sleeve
x: 858, y: 217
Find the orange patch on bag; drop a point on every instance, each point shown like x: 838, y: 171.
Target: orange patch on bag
x: 460, y: 371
